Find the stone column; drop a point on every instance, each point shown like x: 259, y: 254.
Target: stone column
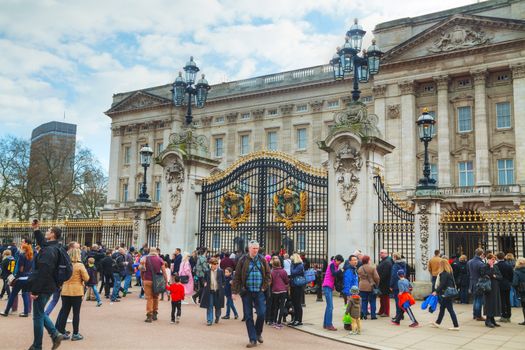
x: 114, y: 165
x: 133, y: 165
x: 379, y: 92
x: 408, y: 134
x: 443, y: 131
x: 428, y: 206
x: 518, y: 86
x: 140, y: 211
x: 481, y: 129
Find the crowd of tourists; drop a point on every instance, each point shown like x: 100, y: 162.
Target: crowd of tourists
x: 44, y: 272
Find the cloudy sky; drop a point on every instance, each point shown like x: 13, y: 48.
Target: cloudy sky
x: 68, y: 57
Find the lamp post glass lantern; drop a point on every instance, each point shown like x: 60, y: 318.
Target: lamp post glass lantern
x: 183, y: 89
x: 348, y: 62
x: 425, y: 124
x: 145, y: 159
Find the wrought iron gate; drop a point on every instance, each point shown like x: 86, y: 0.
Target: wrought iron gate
x: 153, y: 230
x: 271, y: 197
x: 461, y: 232
x: 394, y: 230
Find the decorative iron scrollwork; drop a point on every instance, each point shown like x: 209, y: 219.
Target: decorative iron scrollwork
x: 290, y: 205
x: 236, y: 206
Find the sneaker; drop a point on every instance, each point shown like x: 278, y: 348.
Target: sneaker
x: 395, y: 323
x: 434, y: 324
x: 172, y: 321
x: 69, y: 320
x: 414, y: 325
x: 251, y: 344
x: 454, y: 328
x: 3, y: 314
x: 66, y: 336
x: 23, y: 315
x: 99, y: 303
x: 77, y: 336
x: 225, y: 317
x: 56, y: 339
x: 236, y: 316
x: 177, y: 320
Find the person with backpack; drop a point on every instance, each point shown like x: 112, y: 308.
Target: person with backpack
x: 149, y: 265
x: 399, y: 264
x: 72, y: 294
x: 201, y: 267
x: 8, y: 267
x: 43, y: 282
x: 118, y: 266
x: 22, y: 271
x: 333, y: 270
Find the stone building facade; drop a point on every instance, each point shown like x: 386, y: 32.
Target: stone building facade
x: 466, y: 65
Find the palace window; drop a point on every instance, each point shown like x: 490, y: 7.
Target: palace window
x: 271, y: 140
x: 503, y: 115
x: 245, y: 144
x: 302, y: 108
x: 157, y: 191
x: 466, y: 174
x: 333, y: 104
x: 465, y: 82
x: 366, y: 99
x: 160, y: 148
x: 505, y: 171
x: 219, y: 120
x: 125, y: 193
x: 301, y: 138
x: 503, y: 77
x: 219, y: 147
x: 127, y: 155
x: 434, y: 172
x: 272, y: 112
x: 245, y: 116
x: 464, y: 119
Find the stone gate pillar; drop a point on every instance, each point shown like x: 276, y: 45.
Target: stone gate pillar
x: 356, y: 154
x: 426, y: 226
x: 185, y: 162
x: 140, y: 211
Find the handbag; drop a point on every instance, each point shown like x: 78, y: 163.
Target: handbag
x: 299, y: 281
x: 184, y: 279
x: 375, y: 290
x: 451, y: 292
x: 483, y: 286
x: 159, y: 283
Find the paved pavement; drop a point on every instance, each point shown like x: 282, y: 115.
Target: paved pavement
x: 120, y: 326
x: 381, y: 334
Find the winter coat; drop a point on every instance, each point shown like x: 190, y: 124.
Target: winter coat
x: 8, y: 266
x: 474, y: 266
x: 350, y: 278
x: 368, y: 277
x: 176, y: 263
x: 92, y: 272
x: 519, y: 277
x: 354, y: 306
x: 228, y: 286
x: 74, y: 286
x: 296, y: 270
x: 384, y: 269
x: 280, y: 280
x: 106, y: 265
x: 176, y: 291
x: 119, y: 259
x: 201, y: 267
x: 332, y: 271
x: 398, y: 265
x: 227, y: 262
x: 433, y: 265
x: 242, y: 269
x: 506, y: 272
x: 492, y: 307
x: 461, y: 275
x: 205, y: 298
x: 446, y: 280
x: 42, y: 280
x: 185, y: 270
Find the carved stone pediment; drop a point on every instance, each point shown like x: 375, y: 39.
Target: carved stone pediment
x: 503, y: 150
x: 317, y: 105
x: 393, y: 111
x: 232, y: 117
x: 258, y: 114
x: 457, y: 33
x: 348, y: 163
x: 206, y: 121
x: 286, y: 109
x: 139, y: 100
x: 174, y: 175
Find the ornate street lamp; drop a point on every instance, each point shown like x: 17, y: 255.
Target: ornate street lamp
x: 425, y: 124
x: 184, y: 86
x: 348, y: 62
x: 145, y: 159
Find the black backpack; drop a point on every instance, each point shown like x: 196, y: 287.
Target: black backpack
x: 64, y: 268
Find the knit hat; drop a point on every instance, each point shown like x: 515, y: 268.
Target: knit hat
x: 268, y: 258
x: 401, y: 272
x: 354, y: 290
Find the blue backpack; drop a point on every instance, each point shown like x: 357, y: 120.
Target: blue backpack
x: 309, y: 275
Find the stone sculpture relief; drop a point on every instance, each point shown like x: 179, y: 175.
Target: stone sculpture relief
x: 393, y: 111
x: 174, y: 174
x: 459, y: 38
x: 136, y: 223
x: 423, y: 229
x: 348, y: 163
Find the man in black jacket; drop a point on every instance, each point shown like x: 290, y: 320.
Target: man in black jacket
x: 504, y: 286
x: 119, y: 259
x: 384, y: 269
x: 106, y: 265
x: 42, y: 284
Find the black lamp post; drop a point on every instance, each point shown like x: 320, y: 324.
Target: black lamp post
x: 425, y: 124
x: 184, y: 86
x: 145, y: 159
x: 347, y: 61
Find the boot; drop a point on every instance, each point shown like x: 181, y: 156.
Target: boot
x: 148, y: 318
x: 154, y: 316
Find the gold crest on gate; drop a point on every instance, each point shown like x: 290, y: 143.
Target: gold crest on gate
x: 290, y: 205
x: 236, y: 207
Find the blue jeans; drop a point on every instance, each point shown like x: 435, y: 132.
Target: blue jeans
x: 463, y: 295
x: 328, y: 312
x: 368, y: 297
x: 477, y: 304
x: 53, y: 302
x: 41, y: 320
x: 230, y: 305
x: 116, y: 286
x: 213, y: 301
x: 249, y: 301
x: 14, y: 294
x: 127, y: 283
x: 95, y: 291
x: 434, y: 279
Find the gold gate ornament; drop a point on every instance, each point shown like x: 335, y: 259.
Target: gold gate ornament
x: 236, y: 206
x: 290, y: 206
